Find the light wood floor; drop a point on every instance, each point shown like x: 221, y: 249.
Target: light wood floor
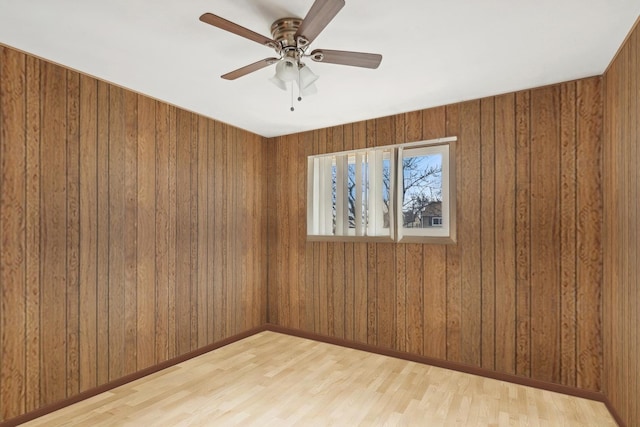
x: 271, y: 379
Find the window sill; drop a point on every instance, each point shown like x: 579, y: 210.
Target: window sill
x: 426, y: 240
x: 429, y: 240
x: 351, y: 239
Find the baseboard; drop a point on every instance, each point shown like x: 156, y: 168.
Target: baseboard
x: 128, y: 378
x: 614, y: 412
x: 460, y: 367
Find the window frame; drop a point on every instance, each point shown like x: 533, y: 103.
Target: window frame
x: 447, y: 233
x: 395, y: 209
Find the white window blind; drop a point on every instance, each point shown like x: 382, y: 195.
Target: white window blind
x: 347, y: 194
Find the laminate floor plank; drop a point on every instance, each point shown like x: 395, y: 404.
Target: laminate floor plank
x: 272, y: 379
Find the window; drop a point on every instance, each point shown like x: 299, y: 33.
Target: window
x: 399, y: 192
x: 423, y: 191
x: 350, y: 194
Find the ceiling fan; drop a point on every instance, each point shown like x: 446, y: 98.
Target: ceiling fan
x: 291, y: 40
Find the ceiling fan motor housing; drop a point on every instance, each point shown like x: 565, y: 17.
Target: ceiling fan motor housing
x: 284, y: 33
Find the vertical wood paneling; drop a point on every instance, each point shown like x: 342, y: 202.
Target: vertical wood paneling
x: 505, y: 219
x: 372, y: 294
x: 609, y: 278
x: 53, y: 236
x: 544, y: 292
x: 193, y: 230
x: 259, y: 211
x: 453, y: 266
x: 620, y: 230
x: 469, y: 233
x: 243, y: 295
x: 386, y: 294
x: 488, y: 232
x: 202, y: 299
x: 130, y: 229
x: 88, y: 233
x: 116, y: 234
x: 107, y: 214
x: 523, y: 234
x: 12, y: 230
x: 626, y: 199
x: 311, y: 316
x: 336, y: 298
x: 219, y: 234
x: 172, y: 341
x: 211, y: 236
x: 102, y: 243
x: 161, y: 232
x: 32, y: 273
x: 229, y: 217
x: 305, y: 318
x: 634, y: 113
x: 294, y: 266
x: 589, y: 234
x: 284, y: 296
x: 73, y: 231
x: 146, y: 234
x: 183, y: 232
x: 568, y: 233
x: 499, y: 298
x: 305, y: 249
x: 230, y: 267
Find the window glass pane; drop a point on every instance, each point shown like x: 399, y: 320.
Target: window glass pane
x: 365, y: 193
x: 386, y: 189
x: 422, y: 191
x: 351, y: 192
x: 334, y: 195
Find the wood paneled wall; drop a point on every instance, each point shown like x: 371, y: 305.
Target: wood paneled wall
x: 520, y: 291
x: 131, y: 232
x: 621, y: 284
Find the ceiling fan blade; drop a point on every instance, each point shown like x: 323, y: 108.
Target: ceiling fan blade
x: 318, y: 17
x: 234, y: 28
x: 249, y: 68
x: 355, y: 59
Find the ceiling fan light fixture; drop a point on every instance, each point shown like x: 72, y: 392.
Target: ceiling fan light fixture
x: 309, y: 90
x: 307, y: 77
x: 287, y: 70
x: 278, y: 82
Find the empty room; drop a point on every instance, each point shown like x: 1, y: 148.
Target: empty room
x: 320, y: 212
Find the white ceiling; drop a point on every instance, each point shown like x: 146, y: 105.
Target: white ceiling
x: 435, y: 52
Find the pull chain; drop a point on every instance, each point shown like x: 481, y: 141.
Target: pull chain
x: 299, y: 87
